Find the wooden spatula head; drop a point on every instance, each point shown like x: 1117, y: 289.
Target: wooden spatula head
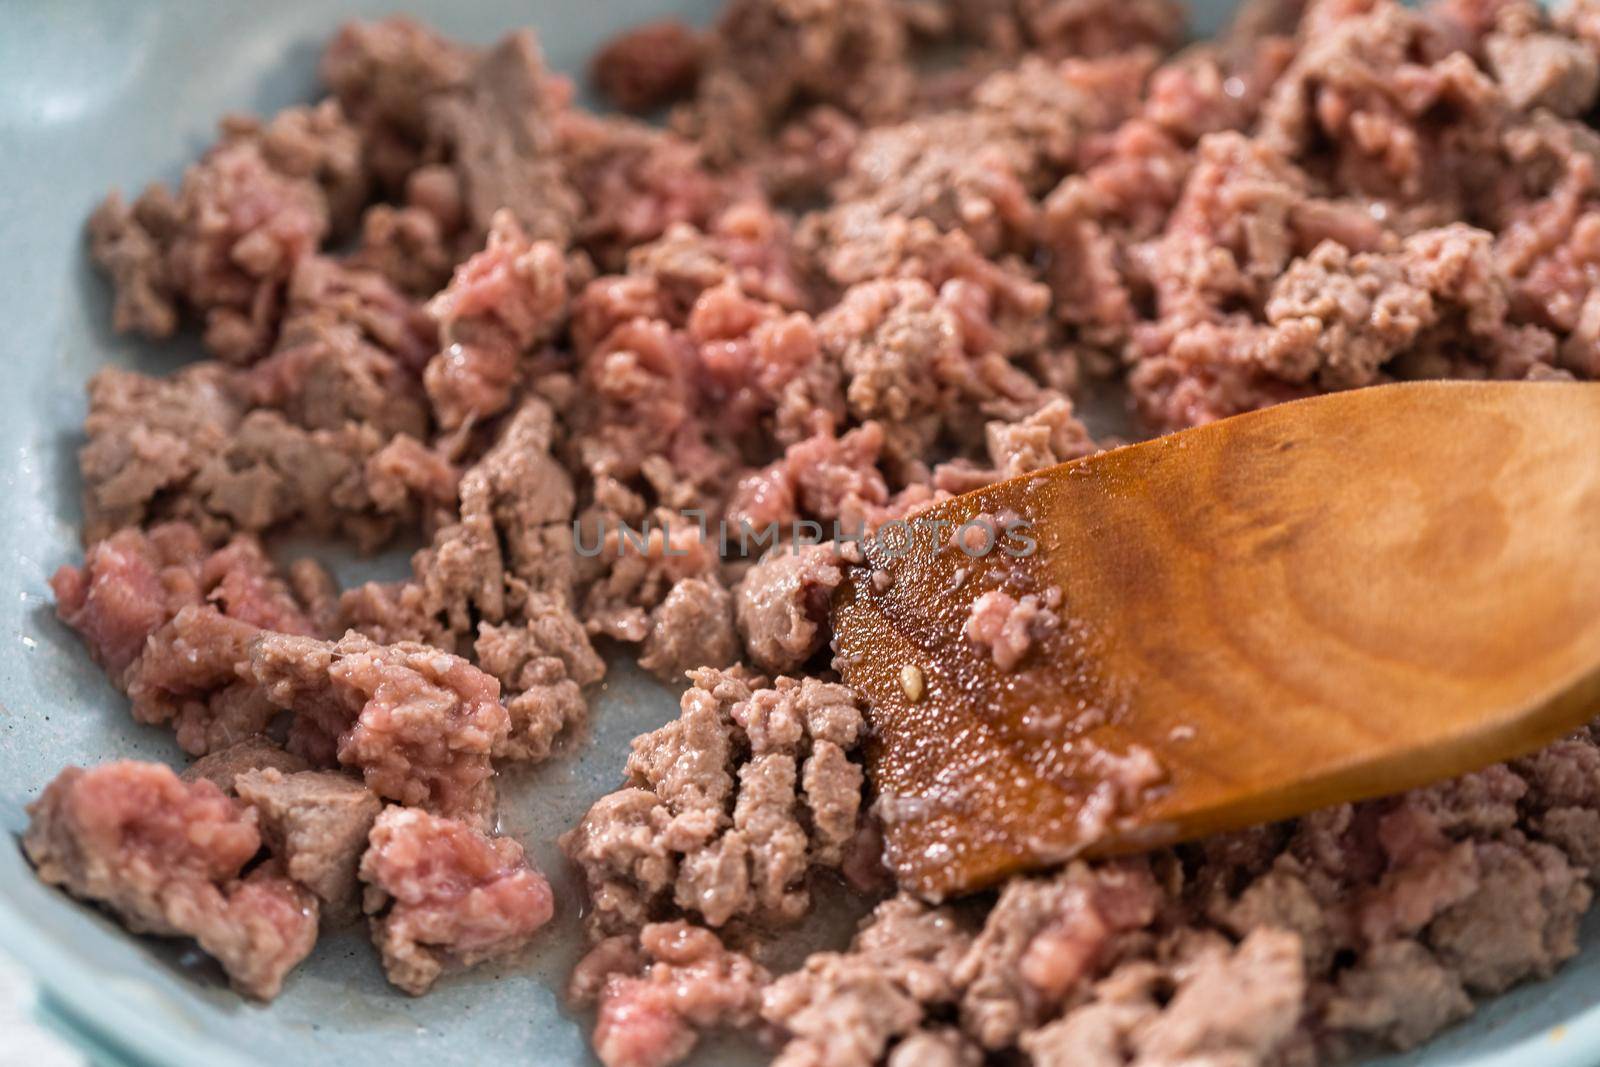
x: 1325, y: 601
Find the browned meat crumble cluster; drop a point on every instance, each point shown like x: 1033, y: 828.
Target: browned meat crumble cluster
x: 868, y: 262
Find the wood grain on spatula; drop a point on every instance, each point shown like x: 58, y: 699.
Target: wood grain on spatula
x: 1328, y: 600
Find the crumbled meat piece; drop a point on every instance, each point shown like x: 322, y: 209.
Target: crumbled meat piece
x: 543, y: 666
x: 692, y: 627
x: 728, y: 807
x: 509, y: 549
x: 244, y: 216
x: 782, y: 605
x: 765, y: 56
x: 499, y: 303
x: 943, y: 1047
x: 191, y: 676
x: 171, y: 623
x: 444, y: 895
x: 854, y: 243
x: 500, y: 128
x: 1246, y: 1001
x: 846, y: 1008
x: 316, y: 823
x: 1231, y: 1005
x: 637, y: 181
x: 1043, y: 939
x: 1069, y: 27
x: 168, y: 857
x: 224, y: 766
x: 273, y: 474
x: 418, y: 723
x: 384, y: 74
x: 1537, y: 69
x: 148, y: 437
x: 129, y: 585
x: 649, y: 65
x: 1521, y: 922
x: 959, y: 170
x: 1397, y: 992
x: 348, y: 352
x: 655, y: 999
x: 129, y: 242
x: 1049, y: 436
x: 318, y: 143
x: 1006, y: 627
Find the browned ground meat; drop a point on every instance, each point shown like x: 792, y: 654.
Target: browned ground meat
x: 848, y: 1007
x: 767, y: 55
x: 444, y: 895
x: 649, y: 65
x: 873, y: 259
x: 499, y: 129
x: 729, y: 807
x: 169, y: 858
x: 224, y: 766
x: 317, y: 823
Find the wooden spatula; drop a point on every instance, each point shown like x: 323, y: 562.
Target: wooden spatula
x: 1328, y: 600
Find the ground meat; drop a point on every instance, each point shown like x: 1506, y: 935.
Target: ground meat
x: 692, y: 627
x: 765, y: 56
x: 1230, y: 1005
x: 1068, y: 27
x: 255, y: 206
x: 509, y: 548
x: 499, y: 127
x: 650, y: 65
x: 897, y: 344
x: 782, y: 605
x: 316, y: 823
x: 1520, y: 921
x: 191, y: 678
x: 1049, y: 436
x: 500, y: 302
x: 444, y: 895
x: 148, y: 437
x: 1399, y: 993
x: 183, y: 448
x: 1543, y: 70
x: 129, y: 585
x: 171, y: 623
x: 418, y: 723
x: 637, y: 181
x: 847, y: 1008
x: 168, y: 857
x: 1000, y: 305
x: 543, y: 666
x: 655, y: 999
x: 1043, y: 939
x: 129, y: 242
x: 717, y: 832
x: 959, y: 170
x: 348, y: 351
x: 1007, y: 627
x: 384, y: 73
x: 224, y: 766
